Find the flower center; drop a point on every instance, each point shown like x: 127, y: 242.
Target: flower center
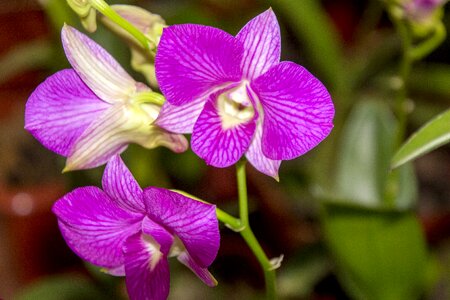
x: 235, y: 107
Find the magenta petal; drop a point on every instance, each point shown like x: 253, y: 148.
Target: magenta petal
x: 159, y: 234
x: 193, y: 61
x: 262, y: 43
x: 202, y: 273
x: 60, y: 109
x: 217, y: 146
x: 298, y: 111
x: 180, y: 119
x: 147, y: 272
x: 194, y: 222
x: 105, y: 137
x: 120, y: 185
x: 257, y: 158
x: 94, y: 226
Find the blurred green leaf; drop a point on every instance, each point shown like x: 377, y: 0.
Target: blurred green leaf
x: 431, y: 136
x: 379, y: 255
x: 64, y: 287
x: 300, y: 274
x: 431, y: 78
x: 401, y: 188
x: 313, y: 27
x: 24, y: 57
x: 364, y: 154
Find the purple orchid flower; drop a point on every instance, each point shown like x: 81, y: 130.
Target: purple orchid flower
x: 93, y: 111
x: 236, y: 97
x: 421, y: 10
x: 131, y: 232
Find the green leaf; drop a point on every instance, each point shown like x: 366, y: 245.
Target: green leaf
x: 431, y: 136
x: 24, y: 57
x: 379, y: 255
x: 364, y: 155
x: 430, y: 78
x: 302, y: 271
x: 64, y: 287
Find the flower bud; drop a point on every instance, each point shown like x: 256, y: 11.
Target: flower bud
x: 86, y: 12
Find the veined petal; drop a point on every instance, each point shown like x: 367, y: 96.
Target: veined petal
x: 94, y: 226
x: 262, y: 44
x: 120, y: 185
x: 257, y: 158
x: 202, y: 273
x: 298, y: 111
x: 219, y: 147
x: 60, y: 109
x: 180, y: 119
x: 146, y: 268
x: 195, y: 223
x: 96, y: 67
x: 193, y: 61
x: 159, y: 234
x: 105, y: 137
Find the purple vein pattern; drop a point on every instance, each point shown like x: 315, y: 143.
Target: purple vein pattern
x: 236, y: 97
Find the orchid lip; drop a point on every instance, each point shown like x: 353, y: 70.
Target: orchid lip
x: 235, y: 106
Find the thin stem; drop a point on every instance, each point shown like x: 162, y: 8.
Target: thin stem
x: 230, y: 221
x: 249, y: 237
x: 111, y: 14
x: 404, y: 71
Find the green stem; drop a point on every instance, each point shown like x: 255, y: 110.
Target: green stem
x: 404, y: 71
x: 230, y: 221
x: 426, y: 47
x: 111, y: 14
x: 249, y: 237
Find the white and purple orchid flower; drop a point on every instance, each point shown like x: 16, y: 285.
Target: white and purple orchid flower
x: 236, y: 97
x: 421, y: 10
x: 131, y: 232
x: 93, y: 111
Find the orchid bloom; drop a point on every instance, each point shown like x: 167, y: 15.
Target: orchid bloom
x: 236, y: 97
x: 93, y: 111
x: 421, y: 10
x: 131, y: 232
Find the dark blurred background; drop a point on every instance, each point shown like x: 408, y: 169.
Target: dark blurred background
x: 284, y: 215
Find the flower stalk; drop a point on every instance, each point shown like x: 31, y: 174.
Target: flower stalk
x: 111, y: 14
x: 249, y: 237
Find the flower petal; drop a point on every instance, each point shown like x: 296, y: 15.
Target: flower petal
x: 298, y: 111
x: 60, y: 109
x: 194, y: 222
x: 180, y: 119
x: 94, y: 226
x: 147, y: 271
x: 120, y: 185
x: 202, y: 273
x: 193, y: 61
x: 104, y: 138
x: 258, y: 160
x: 96, y: 67
x: 219, y: 147
x: 159, y: 234
x: 262, y: 43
